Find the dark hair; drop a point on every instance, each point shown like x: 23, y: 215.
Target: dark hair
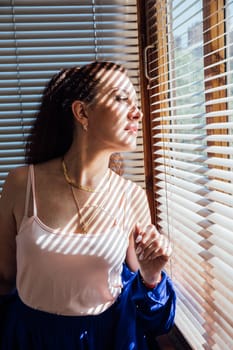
x: 52, y: 133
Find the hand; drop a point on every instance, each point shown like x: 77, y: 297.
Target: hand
x: 153, y: 251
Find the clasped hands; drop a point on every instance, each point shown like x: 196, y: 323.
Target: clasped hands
x: 153, y: 251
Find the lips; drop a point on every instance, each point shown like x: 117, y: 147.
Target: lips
x: 132, y: 127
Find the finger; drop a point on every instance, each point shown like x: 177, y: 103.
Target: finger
x: 147, y: 238
x: 151, y: 246
x: 148, y: 251
x: 164, y: 252
x: 150, y: 234
x: 150, y: 240
x: 160, y: 247
x: 137, y: 233
x: 141, y: 237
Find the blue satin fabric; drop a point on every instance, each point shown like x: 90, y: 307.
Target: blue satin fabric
x: 131, y: 323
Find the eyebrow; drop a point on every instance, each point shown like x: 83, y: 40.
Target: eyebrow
x: 118, y: 88
x: 115, y: 88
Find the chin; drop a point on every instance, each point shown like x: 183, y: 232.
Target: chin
x: 129, y: 147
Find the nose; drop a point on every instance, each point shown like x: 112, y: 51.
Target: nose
x: 135, y: 114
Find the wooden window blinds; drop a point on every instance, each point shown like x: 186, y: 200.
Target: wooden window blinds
x: 189, y: 60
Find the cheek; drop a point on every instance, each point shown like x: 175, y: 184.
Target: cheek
x: 109, y: 120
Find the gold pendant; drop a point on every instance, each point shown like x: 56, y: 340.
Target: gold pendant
x: 84, y: 228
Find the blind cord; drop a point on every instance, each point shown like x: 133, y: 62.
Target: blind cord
x: 18, y: 71
x: 95, y: 30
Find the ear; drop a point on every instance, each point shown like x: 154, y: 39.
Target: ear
x: 79, y: 113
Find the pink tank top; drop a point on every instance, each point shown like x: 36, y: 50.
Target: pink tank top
x: 67, y: 273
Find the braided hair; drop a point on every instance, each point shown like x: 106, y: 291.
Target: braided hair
x: 52, y: 133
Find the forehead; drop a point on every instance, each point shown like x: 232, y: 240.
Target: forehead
x: 114, y: 79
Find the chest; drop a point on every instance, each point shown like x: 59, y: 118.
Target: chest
x: 71, y: 210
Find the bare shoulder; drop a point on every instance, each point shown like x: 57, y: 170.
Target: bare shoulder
x: 15, y: 180
x: 49, y: 168
x: 14, y: 189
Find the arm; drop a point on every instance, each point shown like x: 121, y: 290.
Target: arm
x: 137, y: 212
x: 154, y: 309
x: 148, y: 250
x: 8, y: 232
x: 150, y: 289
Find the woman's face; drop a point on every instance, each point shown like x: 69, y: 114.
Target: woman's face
x: 113, y: 115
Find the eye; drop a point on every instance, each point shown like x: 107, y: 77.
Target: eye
x: 121, y: 98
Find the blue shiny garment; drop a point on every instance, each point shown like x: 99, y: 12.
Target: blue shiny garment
x: 131, y: 323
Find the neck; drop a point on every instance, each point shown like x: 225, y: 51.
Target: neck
x: 87, y: 167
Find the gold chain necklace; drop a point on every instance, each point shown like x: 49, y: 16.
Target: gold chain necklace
x: 73, y: 183
x: 85, y: 225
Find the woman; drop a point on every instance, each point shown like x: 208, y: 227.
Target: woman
x: 76, y: 239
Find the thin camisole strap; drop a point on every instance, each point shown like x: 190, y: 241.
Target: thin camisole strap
x: 30, y: 185
x: 32, y: 175
x: 28, y: 190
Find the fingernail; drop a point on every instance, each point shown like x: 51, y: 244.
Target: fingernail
x: 138, y: 239
x: 141, y: 256
x: 138, y: 250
